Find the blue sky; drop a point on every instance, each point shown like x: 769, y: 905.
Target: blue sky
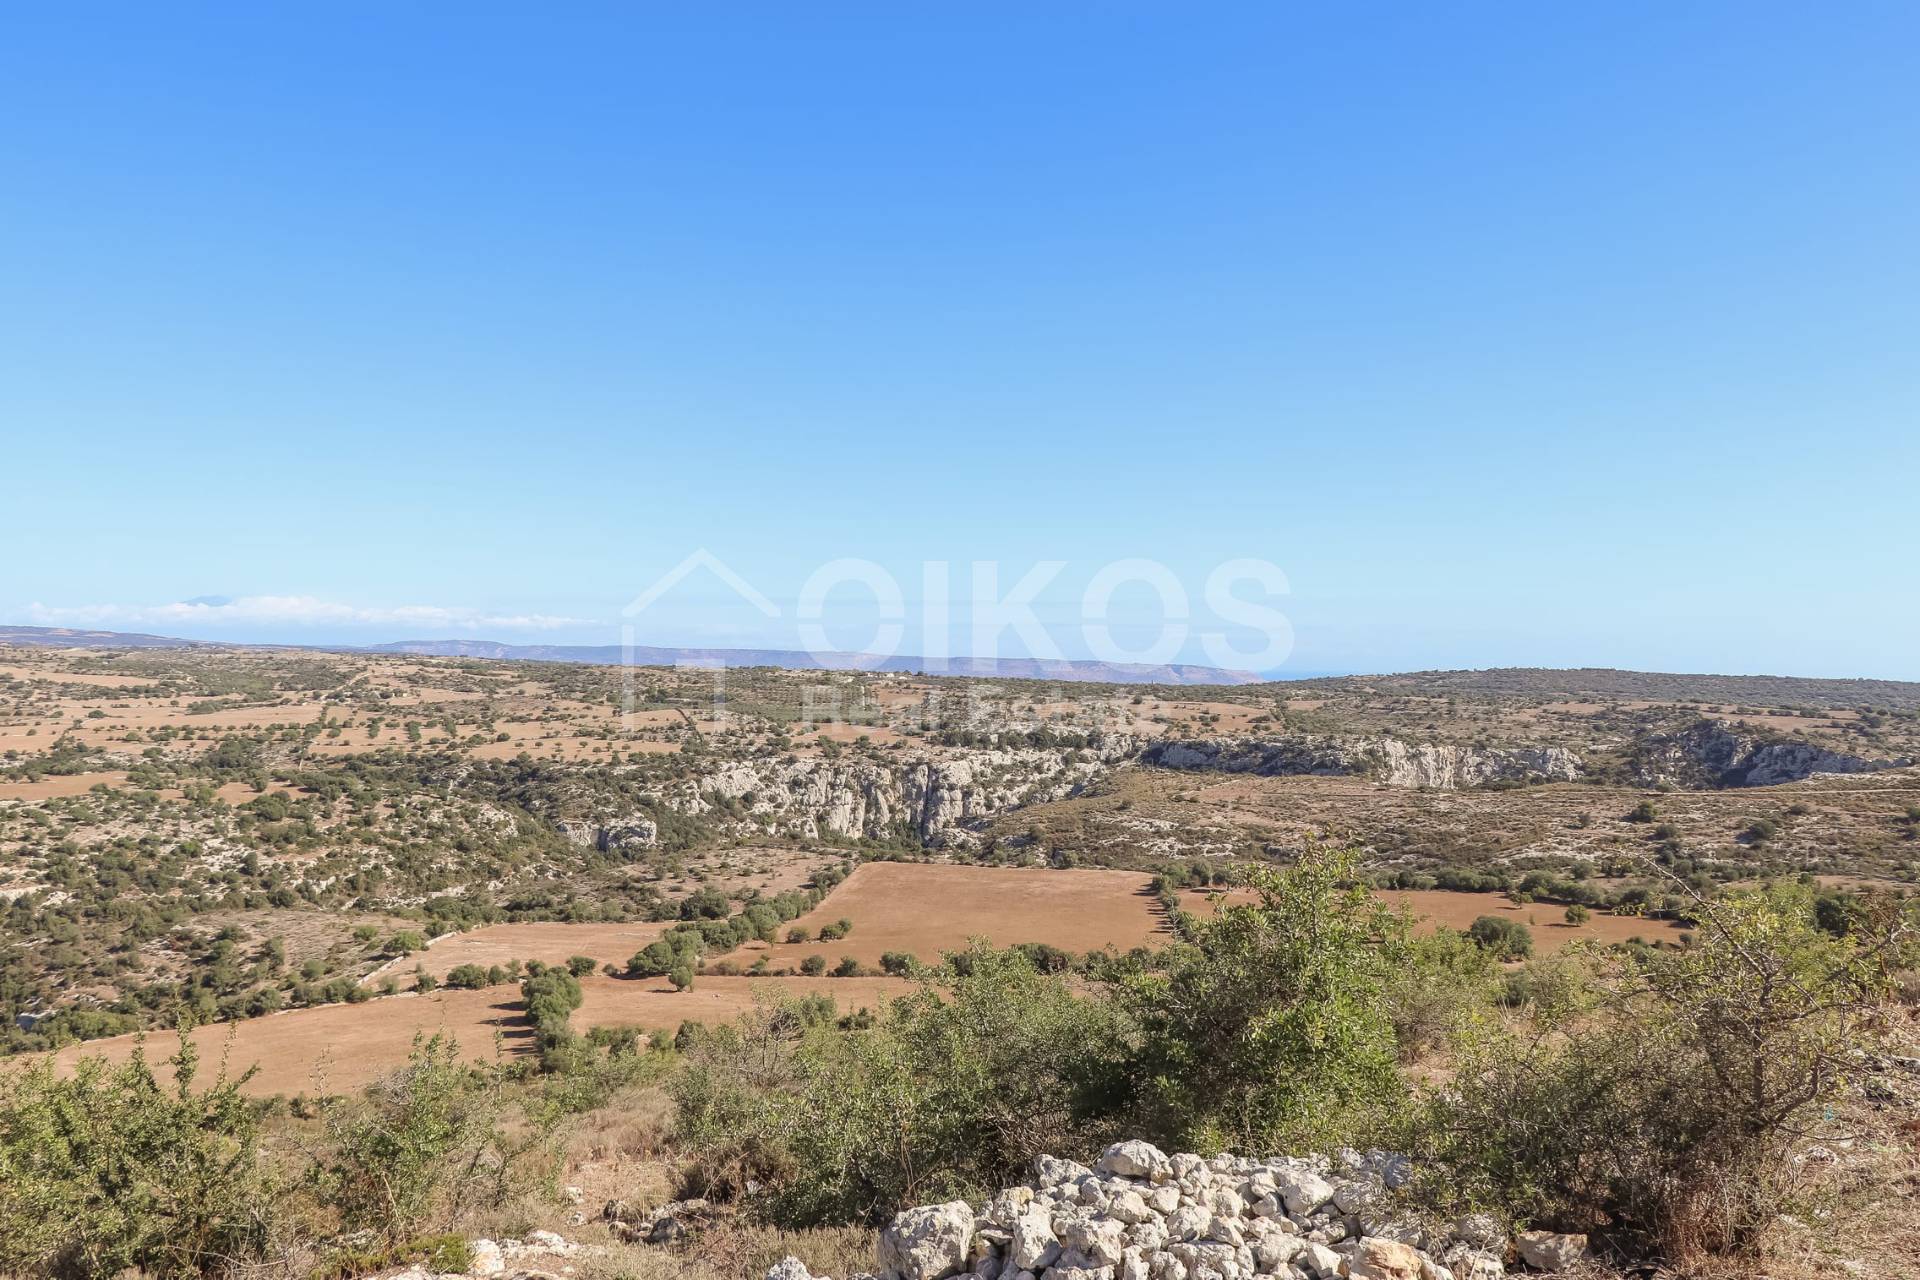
x: 1511, y: 333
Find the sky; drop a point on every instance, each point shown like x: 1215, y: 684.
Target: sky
x: 1506, y: 334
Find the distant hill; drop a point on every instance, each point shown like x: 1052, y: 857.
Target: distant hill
x: 1608, y: 682
x: 69, y: 638
x: 656, y: 655
x: 799, y: 660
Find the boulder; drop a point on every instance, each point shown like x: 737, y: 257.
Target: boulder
x: 1302, y: 1190
x: 1376, y: 1259
x: 1319, y: 1260
x: 1033, y: 1244
x: 1100, y: 1238
x: 928, y: 1243
x: 1550, y: 1250
x: 791, y: 1268
x: 484, y: 1259
x: 1133, y: 1159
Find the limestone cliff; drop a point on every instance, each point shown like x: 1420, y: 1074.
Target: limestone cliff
x: 932, y: 799
x: 1712, y: 753
x: 1389, y: 760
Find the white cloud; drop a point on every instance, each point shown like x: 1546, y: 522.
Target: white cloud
x: 291, y: 611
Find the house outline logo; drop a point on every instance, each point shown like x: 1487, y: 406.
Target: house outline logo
x: 700, y: 559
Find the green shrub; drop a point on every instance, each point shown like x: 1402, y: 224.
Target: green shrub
x: 420, y: 1146
x: 1445, y: 986
x: 467, y: 977
x: 1666, y: 1108
x: 112, y: 1170
x: 948, y: 1092
x: 1267, y: 1025
x: 1503, y: 938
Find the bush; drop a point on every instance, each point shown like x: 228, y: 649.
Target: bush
x: 949, y: 1092
x: 552, y: 995
x: 1267, y: 1025
x: 422, y: 1145
x: 1666, y: 1110
x: 1446, y: 984
x: 1503, y: 938
x: 468, y: 977
x: 111, y: 1170
x: 813, y: 966
x: 1578, y: 915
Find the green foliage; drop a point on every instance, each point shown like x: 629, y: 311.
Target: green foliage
x: 951, y: 1091
x: 1268, y: 1024
x: 421, y: 1145
x: 438, y: 1254
x: 551, y: 995
x: 1503, y: 938
x: 1666, y: 1107
x: 1443, y: 988
x: 111, y: 1170
x: 468, y: 977
x: 663, y: 955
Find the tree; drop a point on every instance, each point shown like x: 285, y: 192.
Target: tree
x: 467, y: 977
x: 1506, y: 939
x: 1267, y: 1023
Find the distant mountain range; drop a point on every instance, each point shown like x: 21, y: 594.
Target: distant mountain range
x: 69, y: 638
x: 662, y: 656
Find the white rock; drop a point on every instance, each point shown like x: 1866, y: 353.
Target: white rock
x: 1034, y: 1245
x: 1320, y: 1260
x: 1050, y: 1171
x: 1373, y: 1259
x: 928, y: 1243
x: 1481, y: 1230
x: 1102, y: 1239
x: 1189, y: 1222
x: 1133, y: 1159
x: 1302, y: 1190
x: 485, y: 1259
x: 1550, y: 1250
x: 790, y: 1268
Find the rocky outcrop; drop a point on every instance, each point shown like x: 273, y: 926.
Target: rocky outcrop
x: 1389, y: 760
x: 1712, y: 753
x: 1140, y: 1214
x: 934, y: 799
x: 634, y: 832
